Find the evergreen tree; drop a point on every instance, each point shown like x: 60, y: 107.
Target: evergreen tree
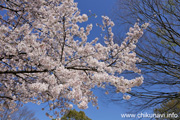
x: 74, y: 115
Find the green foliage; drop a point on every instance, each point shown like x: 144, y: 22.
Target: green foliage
x: 172, y: 106
x: 75, y: 115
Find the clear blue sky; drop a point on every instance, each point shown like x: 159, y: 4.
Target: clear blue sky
x: 106, y: 111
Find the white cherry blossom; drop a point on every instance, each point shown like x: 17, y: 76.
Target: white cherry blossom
x: 45, y: 56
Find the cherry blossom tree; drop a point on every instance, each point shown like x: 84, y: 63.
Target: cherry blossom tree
x: 45, y: 56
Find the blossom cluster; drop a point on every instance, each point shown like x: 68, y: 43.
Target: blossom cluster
x: 45, y: 56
